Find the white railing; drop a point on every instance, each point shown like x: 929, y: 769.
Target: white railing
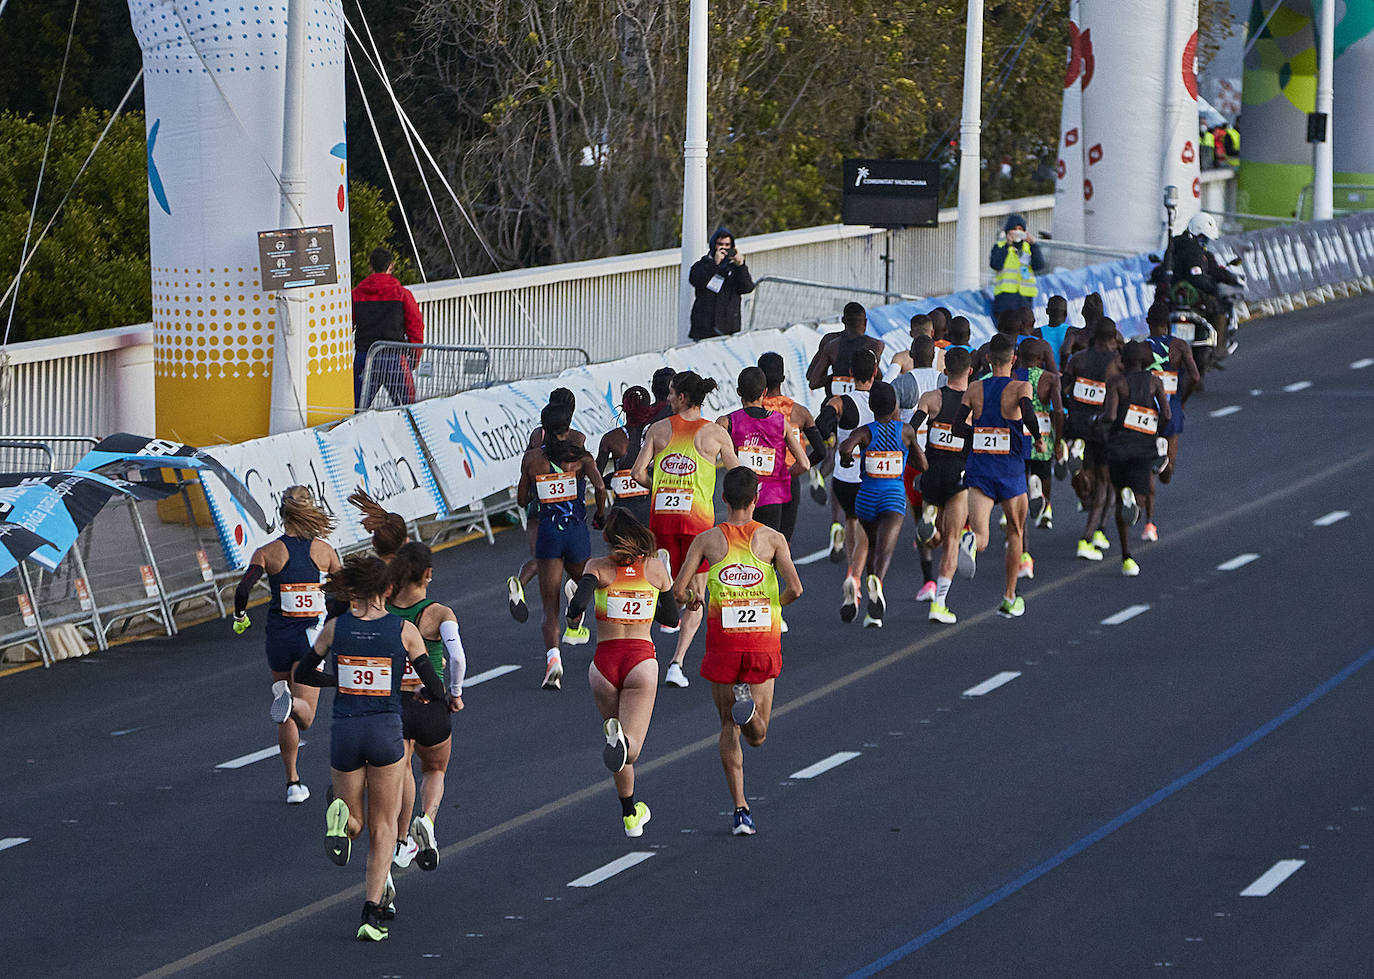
x: 100, y: 382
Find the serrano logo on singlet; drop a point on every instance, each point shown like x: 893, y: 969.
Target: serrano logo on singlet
x: 740, y: 575
x: 678, y: 464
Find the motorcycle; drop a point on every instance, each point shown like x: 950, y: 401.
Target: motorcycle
x: 1192, y: 315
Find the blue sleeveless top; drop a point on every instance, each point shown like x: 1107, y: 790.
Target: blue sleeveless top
x: 1009, y: 452
x: 369, y: 659
x: 299, y: 570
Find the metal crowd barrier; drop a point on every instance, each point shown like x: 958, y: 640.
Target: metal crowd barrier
x: 788, y: 300
x: 397, y: 374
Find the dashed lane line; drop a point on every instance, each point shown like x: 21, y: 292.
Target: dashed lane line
x: 611, y: 869
x: 1223, y: 412
x: 991, y: 683
x: 1125, y: 615
x: 491, y: 674
x: 10, y: 841
x: 1335, y: 516
x: 1361, y: 364
x: 812, y: 558
x: 255, y: 756
x: 1272, y: 878
x: 825, y: 764
x: 1239, y: 561
x: 1297, y: 386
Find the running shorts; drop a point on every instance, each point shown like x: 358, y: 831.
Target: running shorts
x: 877, y: 496
x: 1134, y: 473
x: 369, y: 739
x: 1043, y: 468
x: 676, y: 545
x: 789, y: 510
x: 426, y: 724
x: 286, y: 646
x: 615, y: 658
x: 726, y: 666
x: 562, y: 538
x: 997, y: 488
x: 1094, y: 453
x: 770, y: 515
x: 1175, y: 426
x: 845, y: 493
x: 942, y: 482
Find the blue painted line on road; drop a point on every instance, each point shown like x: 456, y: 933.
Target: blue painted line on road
x: 1105, y: 830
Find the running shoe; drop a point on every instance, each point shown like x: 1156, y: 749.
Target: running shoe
x: 1150, y: 533
x: 927, y: 592
x: 422, y: 832
x: 836, y: 543
x: 1061, y: 467
x: 1047, y: 518
x: 336, y: 841
x: 663, y: 556
x: 515, y: 599
x: 818, y: 492
x: 742, y: 711
x: 577, y: 637
x: 1012, y: 608
x: 744, y: 823
x: 1027, y: 568
x: 387, y: 905
x: 296, y: 793
x: 1002, y: 520
x: 1129, y: 568
x: 1087, y: 552
x: 1077, y: 449
x: 634, y: 824
x: 372, y: 929
x: 850, y: 607
x: 1130, y: 510
x: 553, y: 674
x: 925, y: 528
x: 675, y: 677
x: 941, y: 613
x: 569, y: 590
x: 1100, y: 541
x: 281, y: 701
x: 782, y: 625
x: 968, y: 554
x: 405, y: 853
x: 877, y: 604
x: 1036, y: 489
x: 617, y: 750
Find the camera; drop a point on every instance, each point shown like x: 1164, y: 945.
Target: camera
x: 730, y: 252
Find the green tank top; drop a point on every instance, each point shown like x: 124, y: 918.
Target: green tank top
x: 1043, y: 414
x: 434, y: 647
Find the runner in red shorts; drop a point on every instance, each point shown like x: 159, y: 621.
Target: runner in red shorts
x: 743, y: 624
x: 631, y: 590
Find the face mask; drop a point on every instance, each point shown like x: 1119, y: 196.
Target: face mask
x: 1016, y: 235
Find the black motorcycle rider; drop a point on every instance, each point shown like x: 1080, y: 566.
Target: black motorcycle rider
x: 1196, y: 267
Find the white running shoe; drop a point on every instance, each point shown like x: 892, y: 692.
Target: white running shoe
x: 675, y: 677
x: 296, y: 793
x: 1130, y: 510
x: 663, y: 556
x: 405, y: 853
x: 968, y: 554
x: 742, y: 711
x: 849, y: 608
x: 617, y: 750
x: 877, y: 603
x: 422, y: 833
x: 553, y: 673
x: 281, y: 702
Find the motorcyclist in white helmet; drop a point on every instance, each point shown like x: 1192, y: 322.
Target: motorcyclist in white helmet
x: 1197, y: 266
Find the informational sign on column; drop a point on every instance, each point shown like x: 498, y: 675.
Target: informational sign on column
x: 295, y: 258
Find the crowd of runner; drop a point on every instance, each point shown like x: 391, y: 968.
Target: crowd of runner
x: 943, y: 429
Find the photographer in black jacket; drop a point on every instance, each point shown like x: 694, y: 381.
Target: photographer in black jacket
x: 719, y: 277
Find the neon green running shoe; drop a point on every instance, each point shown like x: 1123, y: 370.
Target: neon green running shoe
x: 634, y: 823
x: 1012, y: 608
x: 1100, y: 541
x: 577, y: 637
x: 371, y: 929
x: 941, y: 613
x: 336, y: 841
x: 1129, y: 568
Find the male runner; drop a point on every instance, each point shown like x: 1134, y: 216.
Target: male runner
x: 1057, y: 309
x: 743, y: 631
x: 1175, y: 367
x: 1049, y: 413
x: 1137, y: 409
x: 910, y: 386
x: 1085, y: 392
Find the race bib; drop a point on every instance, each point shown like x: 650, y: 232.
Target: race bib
x: 629, y: 606
x: 992, y: 441
x: 302, y: 601
x: 841, y: 385
x: 1138, y: 419
x: 1043, y: 420
x: 410, y: 680
x: 883, y: 465
x: 942, y: 437
x: 624, y: 486
x: 365, y: 676
x: 556, y: 487
x: 717, y: 281
x: 760, y: 458
x: 746, y: 615
x: 673, y: 501
x: 1089, y: 392
x: 1169, y: 379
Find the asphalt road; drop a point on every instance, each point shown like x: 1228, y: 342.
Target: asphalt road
x: 1098, y: 813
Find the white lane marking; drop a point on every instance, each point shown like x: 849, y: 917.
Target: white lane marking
x: 1223, y: 412
x: 1272, y: 878
x: 491, y: 674
x: 1255, y: 392
x: 1297, y: 386
x: 611, y: 869
x: 812, y: 558
x: 1239, y: 561
x: 265, y: 753
x: 825, y: 764
x: 127, y: 730
x: 10, y: 841
x: 991, y: 683
x: 1360, y: 365
x: 1125, y: 614
x: 1335, y: 516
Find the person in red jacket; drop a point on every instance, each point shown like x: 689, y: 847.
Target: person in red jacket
x: 383, y: 309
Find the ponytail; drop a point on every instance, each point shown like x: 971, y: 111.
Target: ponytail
x: 693, y: 387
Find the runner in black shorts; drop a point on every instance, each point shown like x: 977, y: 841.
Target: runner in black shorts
x: 1085, y: 391
x: 1137, y: 408
x: 425, y: 724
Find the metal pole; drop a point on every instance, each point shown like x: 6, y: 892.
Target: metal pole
x: 289, y: 350
x: 1322, y: 163
x: 693, y: 162
x: 967, y: 232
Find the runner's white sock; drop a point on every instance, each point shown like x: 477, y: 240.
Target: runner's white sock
x: 551, y: 655
x: 942, y: 589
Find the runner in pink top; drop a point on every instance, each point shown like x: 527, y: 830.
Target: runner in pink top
x: 763, y: 440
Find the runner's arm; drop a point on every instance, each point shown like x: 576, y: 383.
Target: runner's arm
x: 308, y: 670
x: 916, y: 458
x: 857, y: 439
x: 787, y: 571
x: 1161, y: 399
x: 640, y: 470
x: 801, y: 463
x: 419, y: 661
x: 690, y: 562
x: 457, y: 669
x: 522, y: 488
x: 251, y: 576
